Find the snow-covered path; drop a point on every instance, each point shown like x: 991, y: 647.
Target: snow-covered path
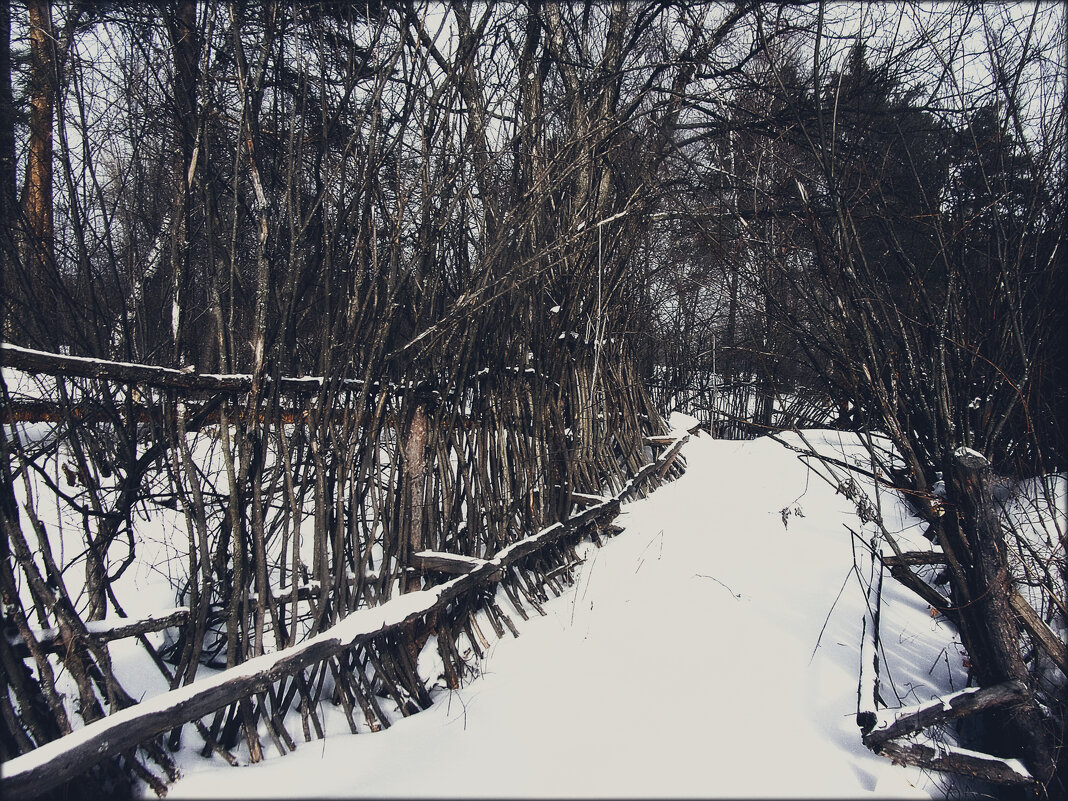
x: 684, y: 662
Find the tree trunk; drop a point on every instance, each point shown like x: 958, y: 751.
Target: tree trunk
x: 183, y: 34
x: 992, y: 633
x: 8, y: 202
x: 414, y: 475
x: 40, y: 245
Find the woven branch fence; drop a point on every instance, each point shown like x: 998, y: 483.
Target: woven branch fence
x: 322, y: 532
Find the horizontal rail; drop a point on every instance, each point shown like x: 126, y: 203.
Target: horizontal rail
x: 57, y: 364
x: 52, y: 640
x: 39, y: 361
x: 436, y: 561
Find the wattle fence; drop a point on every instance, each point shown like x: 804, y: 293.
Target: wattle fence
x: 331, y: 530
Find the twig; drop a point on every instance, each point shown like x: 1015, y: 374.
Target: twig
x: 720, y: 583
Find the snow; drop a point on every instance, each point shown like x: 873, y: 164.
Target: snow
x: 708, y: 650
x: 680, y: 422
x: 970, y: 455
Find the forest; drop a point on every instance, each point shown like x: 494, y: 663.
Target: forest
x: 370, y: 300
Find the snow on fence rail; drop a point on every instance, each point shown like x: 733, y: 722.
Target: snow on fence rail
x: 50, y: 765
x: 39, y: 361
x: 56, y: 364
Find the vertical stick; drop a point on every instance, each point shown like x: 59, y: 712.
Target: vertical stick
x: 414, y: 474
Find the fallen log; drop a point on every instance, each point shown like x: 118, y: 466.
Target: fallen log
x: 891, y: 724
x: 885, y: 733
x: 961, y: 761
